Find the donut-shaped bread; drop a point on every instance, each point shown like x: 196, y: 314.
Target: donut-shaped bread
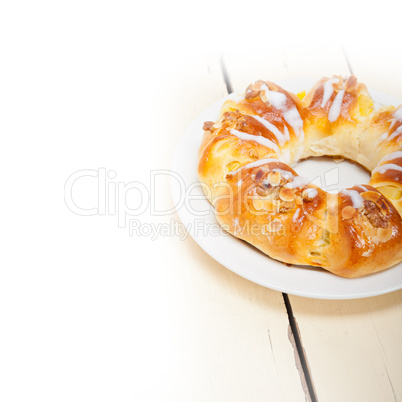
x: 245, y: 168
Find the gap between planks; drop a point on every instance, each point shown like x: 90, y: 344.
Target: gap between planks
x: 294, y: 333
x: 347, y: 59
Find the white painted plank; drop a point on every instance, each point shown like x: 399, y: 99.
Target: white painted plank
x: 260, y: 64
x: 285, y: 61
x: 352, y: 347
x: 356, y: 343
x: 379, y: 67
x: 185, y: 86
x: 229, y: 336
x: 314, y: 60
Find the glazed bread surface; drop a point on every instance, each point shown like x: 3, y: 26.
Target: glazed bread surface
x: 245, y: 166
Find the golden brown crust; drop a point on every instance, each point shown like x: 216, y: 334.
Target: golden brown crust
x: 244, y: 160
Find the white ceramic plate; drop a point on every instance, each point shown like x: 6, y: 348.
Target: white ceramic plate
x: 199, y: 220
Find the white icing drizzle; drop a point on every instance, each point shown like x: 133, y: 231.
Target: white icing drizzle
x: 254, y: 164
x: 391, y: 156
x: 286, y: 132
x: 397, y: 116
x: 298, y: 182
x: 290, y: 114
x: 293, y: 118
x: 336, y: 106
x: 285, y: 173
x: 362, y: 187
x: 276, y: 99
x: 296, y: 215
x: 356, y: 198
x: 282, y: 138
x: 398, y: 113
x: 328, y: 90
x: 389, y: 166
x: 239, y: 183
x: 259, y: 139
x: 394, y: 134
x: 312, y: 193
x: 384, y: 136
x: 367, y: 253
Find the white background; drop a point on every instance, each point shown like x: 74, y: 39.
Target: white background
x: 85, y: 85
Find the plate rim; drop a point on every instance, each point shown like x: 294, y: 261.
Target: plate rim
x: 233, y: 266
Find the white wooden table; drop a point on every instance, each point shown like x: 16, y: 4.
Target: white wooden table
x: 90, y: 311
x: 240, y: 341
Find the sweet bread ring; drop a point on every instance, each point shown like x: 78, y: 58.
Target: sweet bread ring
x: 245, y: 163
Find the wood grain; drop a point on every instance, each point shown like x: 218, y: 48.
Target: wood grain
x: 229, y: 336
x: 352, y: 347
